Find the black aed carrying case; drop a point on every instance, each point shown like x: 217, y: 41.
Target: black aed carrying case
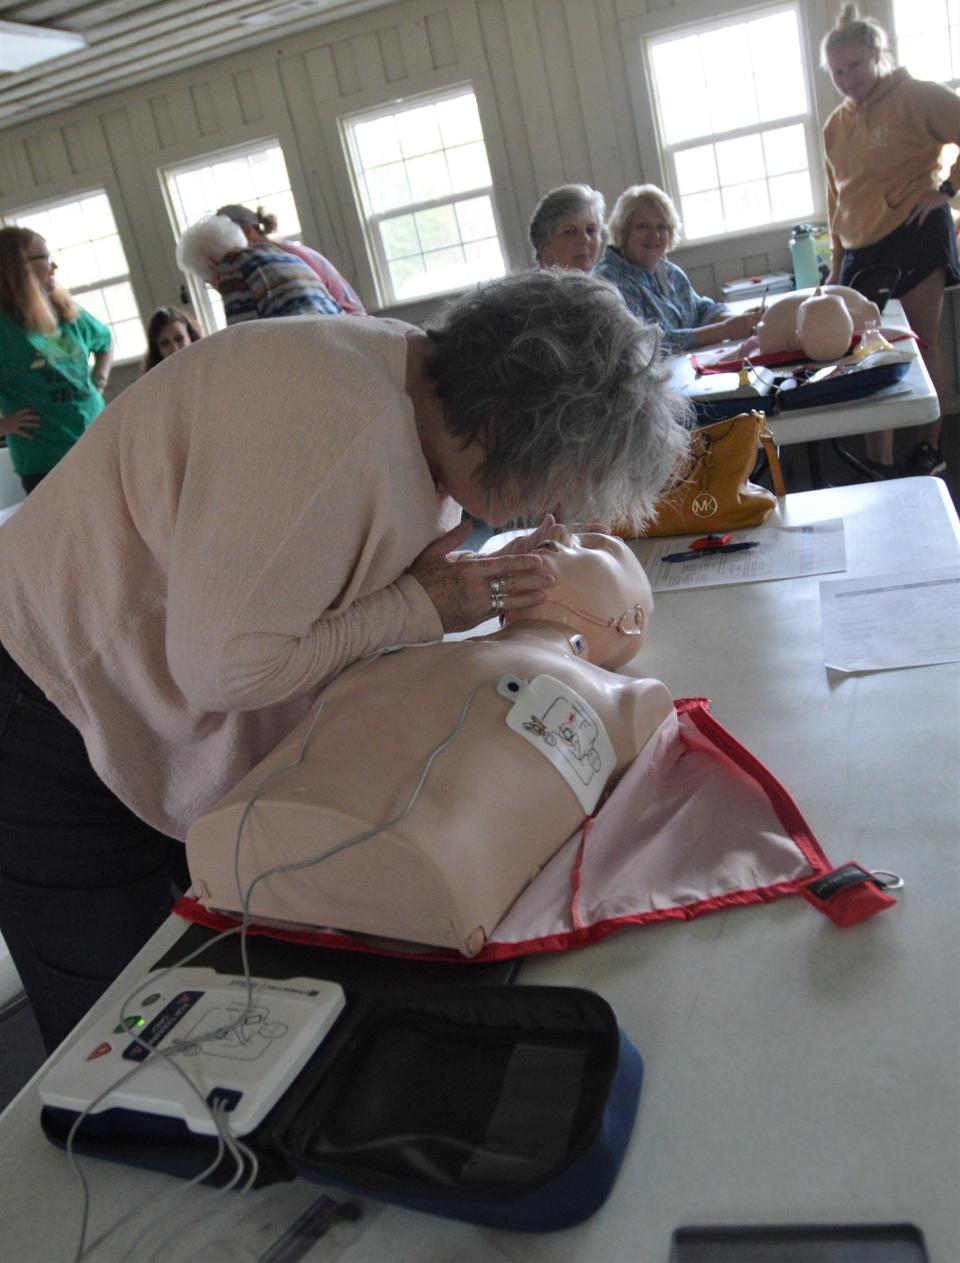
x: 505, y: 1106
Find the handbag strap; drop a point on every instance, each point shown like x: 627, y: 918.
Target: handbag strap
x: 773, y: 460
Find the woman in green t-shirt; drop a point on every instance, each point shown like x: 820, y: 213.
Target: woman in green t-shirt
x: 48, y: 392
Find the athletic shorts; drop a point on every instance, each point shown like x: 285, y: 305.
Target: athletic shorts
x: 917, y: 250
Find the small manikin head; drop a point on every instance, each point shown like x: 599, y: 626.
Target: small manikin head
x: 602, y: 593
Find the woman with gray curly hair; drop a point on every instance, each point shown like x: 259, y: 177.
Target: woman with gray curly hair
x: 246, y: 520
x: 566, y: 227
x: 256, y: 282
x: 643, y: 227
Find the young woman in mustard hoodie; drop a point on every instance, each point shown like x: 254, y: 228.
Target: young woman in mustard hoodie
x: 883, y: 145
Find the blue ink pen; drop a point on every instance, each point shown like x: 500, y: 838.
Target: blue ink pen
x: 701, y: 553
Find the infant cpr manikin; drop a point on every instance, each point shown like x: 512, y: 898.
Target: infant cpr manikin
x: 546, y: 731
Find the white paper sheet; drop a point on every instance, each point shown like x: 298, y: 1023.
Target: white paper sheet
x: 784, y: 553
x: 883, y: 622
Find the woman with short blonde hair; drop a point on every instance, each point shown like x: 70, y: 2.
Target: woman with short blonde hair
x: 643, y: 226
x: 884, y: 145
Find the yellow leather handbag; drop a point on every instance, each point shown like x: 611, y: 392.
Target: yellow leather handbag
x: 714, y: 493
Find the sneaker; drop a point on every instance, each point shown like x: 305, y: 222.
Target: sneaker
x: 924, y: 460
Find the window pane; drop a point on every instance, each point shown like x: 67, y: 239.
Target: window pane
x: 484, y: 259
x: 97, y: 216
x: 428, y: 178
x: 405, y: 273
x: 459, y: 120
x: 78, y: 265
x: 121, y: 304
x: 129, y: 339
x: 437, y: 227
x: 399, y: 236
x: 746, y: 205
x: 269, y: 171
x: 444, y: 260
x: 927, y: 56
x: 785, y: 149
x: 419, y: 131
x: 468, y: 166
x: 378, y: 142
x: 93, y: 301
x: 781, y: 92
x: 696, y: 169
x: 681, y: 88
x: 111, y: 261
x: 475, y: 218
x: 702, y: 215
x: 791, y: 196
x: 740, y: 160
x: 387, y: 187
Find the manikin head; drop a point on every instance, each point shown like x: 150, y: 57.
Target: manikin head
x: 602, y: 593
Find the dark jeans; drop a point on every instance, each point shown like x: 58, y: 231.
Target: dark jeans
x: 83, y: 881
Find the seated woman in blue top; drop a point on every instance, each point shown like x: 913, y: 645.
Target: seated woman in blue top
x: 643, y: 226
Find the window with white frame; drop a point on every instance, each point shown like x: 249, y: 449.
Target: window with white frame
x: 735, y: 122
x: 81, y: 234
x: 252, y: 176
x: 425, y: 194
x: 928, y: 44
x: 928, y: 39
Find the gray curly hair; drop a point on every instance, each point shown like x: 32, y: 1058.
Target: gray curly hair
x: 565, y: 392
x: 205, y: 243
x: 563, y: 202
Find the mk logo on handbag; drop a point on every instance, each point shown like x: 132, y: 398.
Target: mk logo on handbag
x: 704, y: 504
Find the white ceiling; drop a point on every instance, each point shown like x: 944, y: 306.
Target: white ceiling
x: 132, y: 41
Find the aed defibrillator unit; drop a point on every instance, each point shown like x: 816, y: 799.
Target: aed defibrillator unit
x: 505, y: 1106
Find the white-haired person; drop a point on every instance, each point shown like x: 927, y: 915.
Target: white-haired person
x: 254, y: 282
x: 244, y: 522
x: 566, y: 227
x: 643, y: 228
x: 884, y: 145
x: 257, y: 225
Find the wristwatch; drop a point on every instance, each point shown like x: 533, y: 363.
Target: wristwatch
x: 947, y: 187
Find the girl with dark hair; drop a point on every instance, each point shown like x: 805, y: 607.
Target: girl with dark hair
x: 48, y: 393
x: 168, y: 330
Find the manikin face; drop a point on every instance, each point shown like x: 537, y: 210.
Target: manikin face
x: 854, y: 69
x: 602, y: 592
x: 44, y: 268
x: 648, y: 237
x: 172, y: 337
x: 574, y: 243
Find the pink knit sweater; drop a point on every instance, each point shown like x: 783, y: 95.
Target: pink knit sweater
x: 232, y: 531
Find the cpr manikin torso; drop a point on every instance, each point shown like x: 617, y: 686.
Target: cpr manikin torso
x: 493, y: 808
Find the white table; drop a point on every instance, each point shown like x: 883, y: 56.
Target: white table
x: 912, y: 401
x: 795, y: 1072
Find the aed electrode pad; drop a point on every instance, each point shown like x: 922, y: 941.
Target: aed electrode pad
x: 567, y: 731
